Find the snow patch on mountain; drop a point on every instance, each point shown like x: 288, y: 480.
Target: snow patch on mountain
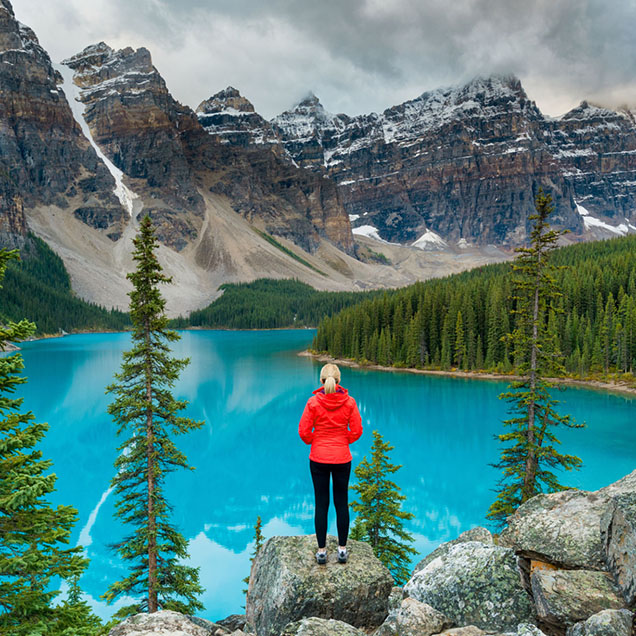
x: 430, y: 241
x: 368, y: 231
x: 125, y: 195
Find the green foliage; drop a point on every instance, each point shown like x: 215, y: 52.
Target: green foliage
x: 272, y: 241
x: 39, y: 286
x: 593, y: 323
x: 145, y: 409
x: 258, y: 544
x: 270, y: 304
x: 380, y: 518
x: 34, y: 536
x: 74, y: 617
x: 530, y: 455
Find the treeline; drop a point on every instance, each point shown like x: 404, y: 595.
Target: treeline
x: 38, y: 286
x: 268, y: 304
x: 460, y: 321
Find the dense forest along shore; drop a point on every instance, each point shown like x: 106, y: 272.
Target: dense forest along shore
x: 599, y: 385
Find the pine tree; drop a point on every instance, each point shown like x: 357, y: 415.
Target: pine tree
x: 259, y: 539
x: 530, y: 453
x: 380, y: 518
x: 34, y: 536
x: 74, y: 617
x: 146, y: 411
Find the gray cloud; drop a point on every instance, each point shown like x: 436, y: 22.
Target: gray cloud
x: 359, y: 55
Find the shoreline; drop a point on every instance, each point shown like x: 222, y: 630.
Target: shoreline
x: 598, y: 385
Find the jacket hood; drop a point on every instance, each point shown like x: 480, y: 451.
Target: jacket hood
x: 332, y: 401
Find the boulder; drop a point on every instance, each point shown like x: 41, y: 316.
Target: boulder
x: 166, y: 623
x: 395, y: 598
x: 474, y: 584
x: 320, y: 627
x: 618, y: 532
x: 605, y: 623
x: 562, y: 528
x: 564, y: 597
x: 469, y: 630
x: 413, y: 618
x: 287, y: 585
x: 475, y: 534
x: 233, y: 622
x: 623, y: 486
x: 527, y: 629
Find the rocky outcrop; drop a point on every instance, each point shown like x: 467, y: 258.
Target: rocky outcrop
x: 474, y: 534
x: 564, y: 597
x: 466, y: 162
x: 413, y: 618
x: 287, y: 585
x: 167, y: 623
x: 45, y: 159
x: 142, y: 130
x: 151, y: 137
x: 249, y: 166
x: 605, y: 623
x: 562, y: 528
x: 474, y: 584
x: 320, y: 627
x: 618, y: 533
x: 231, y: 119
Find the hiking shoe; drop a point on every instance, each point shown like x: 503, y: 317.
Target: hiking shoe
x: 321, y: 558
x: 342, y: 555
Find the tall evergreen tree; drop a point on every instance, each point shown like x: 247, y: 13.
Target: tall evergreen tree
x: 145, y: 410
x: 380, y: 518
x: 34, y: 536
x: 530, y: 453
x: 259, y: 539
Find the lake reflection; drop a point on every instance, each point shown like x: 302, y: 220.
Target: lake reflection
x: 250, y: 389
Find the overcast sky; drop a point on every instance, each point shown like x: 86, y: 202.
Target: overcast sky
x: 358, y: 56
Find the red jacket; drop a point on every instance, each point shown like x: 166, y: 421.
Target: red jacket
x: 330, y: 422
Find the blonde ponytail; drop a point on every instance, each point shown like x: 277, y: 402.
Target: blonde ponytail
x: 330, y: 377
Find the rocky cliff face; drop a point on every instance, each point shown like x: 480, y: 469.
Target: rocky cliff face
x: 162, y: 144
x: 44, y: 157
x: 143, y: 131
x: 466, y: 163
x: 250, y: 166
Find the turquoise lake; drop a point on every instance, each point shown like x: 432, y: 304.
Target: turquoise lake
x: 250, y: 388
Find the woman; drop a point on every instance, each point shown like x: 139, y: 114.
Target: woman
x: 330, y: 422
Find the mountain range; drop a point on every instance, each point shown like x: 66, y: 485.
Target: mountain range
x: 434, y: 185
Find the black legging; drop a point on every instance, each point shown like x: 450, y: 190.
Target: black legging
x: 320, y: 476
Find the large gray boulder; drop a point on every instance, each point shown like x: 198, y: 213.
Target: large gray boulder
x: 618, y: 532
x: 475, y: 534
x: 565, y: 597
x: 320, y: 627
x: 605, y: 623
x: 413, y: 618
x: 287, y: 585
x: 623, y: 486
x: 166, y: 623
x: 562, y: 528
x: 474, y: 584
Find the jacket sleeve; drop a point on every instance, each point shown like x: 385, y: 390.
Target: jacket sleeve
x: 355, y: 423
x: 306, y: 425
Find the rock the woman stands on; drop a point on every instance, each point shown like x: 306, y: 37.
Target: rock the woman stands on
x: 330, y: 422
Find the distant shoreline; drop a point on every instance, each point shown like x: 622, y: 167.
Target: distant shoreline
x: 598, y: 385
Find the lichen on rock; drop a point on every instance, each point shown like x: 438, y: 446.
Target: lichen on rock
x: 314, y: 626
x: 605, y: 623
x: 287, y: 585
x: 564, y: 597
x: 413, y: 618
x: 475, y: 584
x: 474, y: 534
